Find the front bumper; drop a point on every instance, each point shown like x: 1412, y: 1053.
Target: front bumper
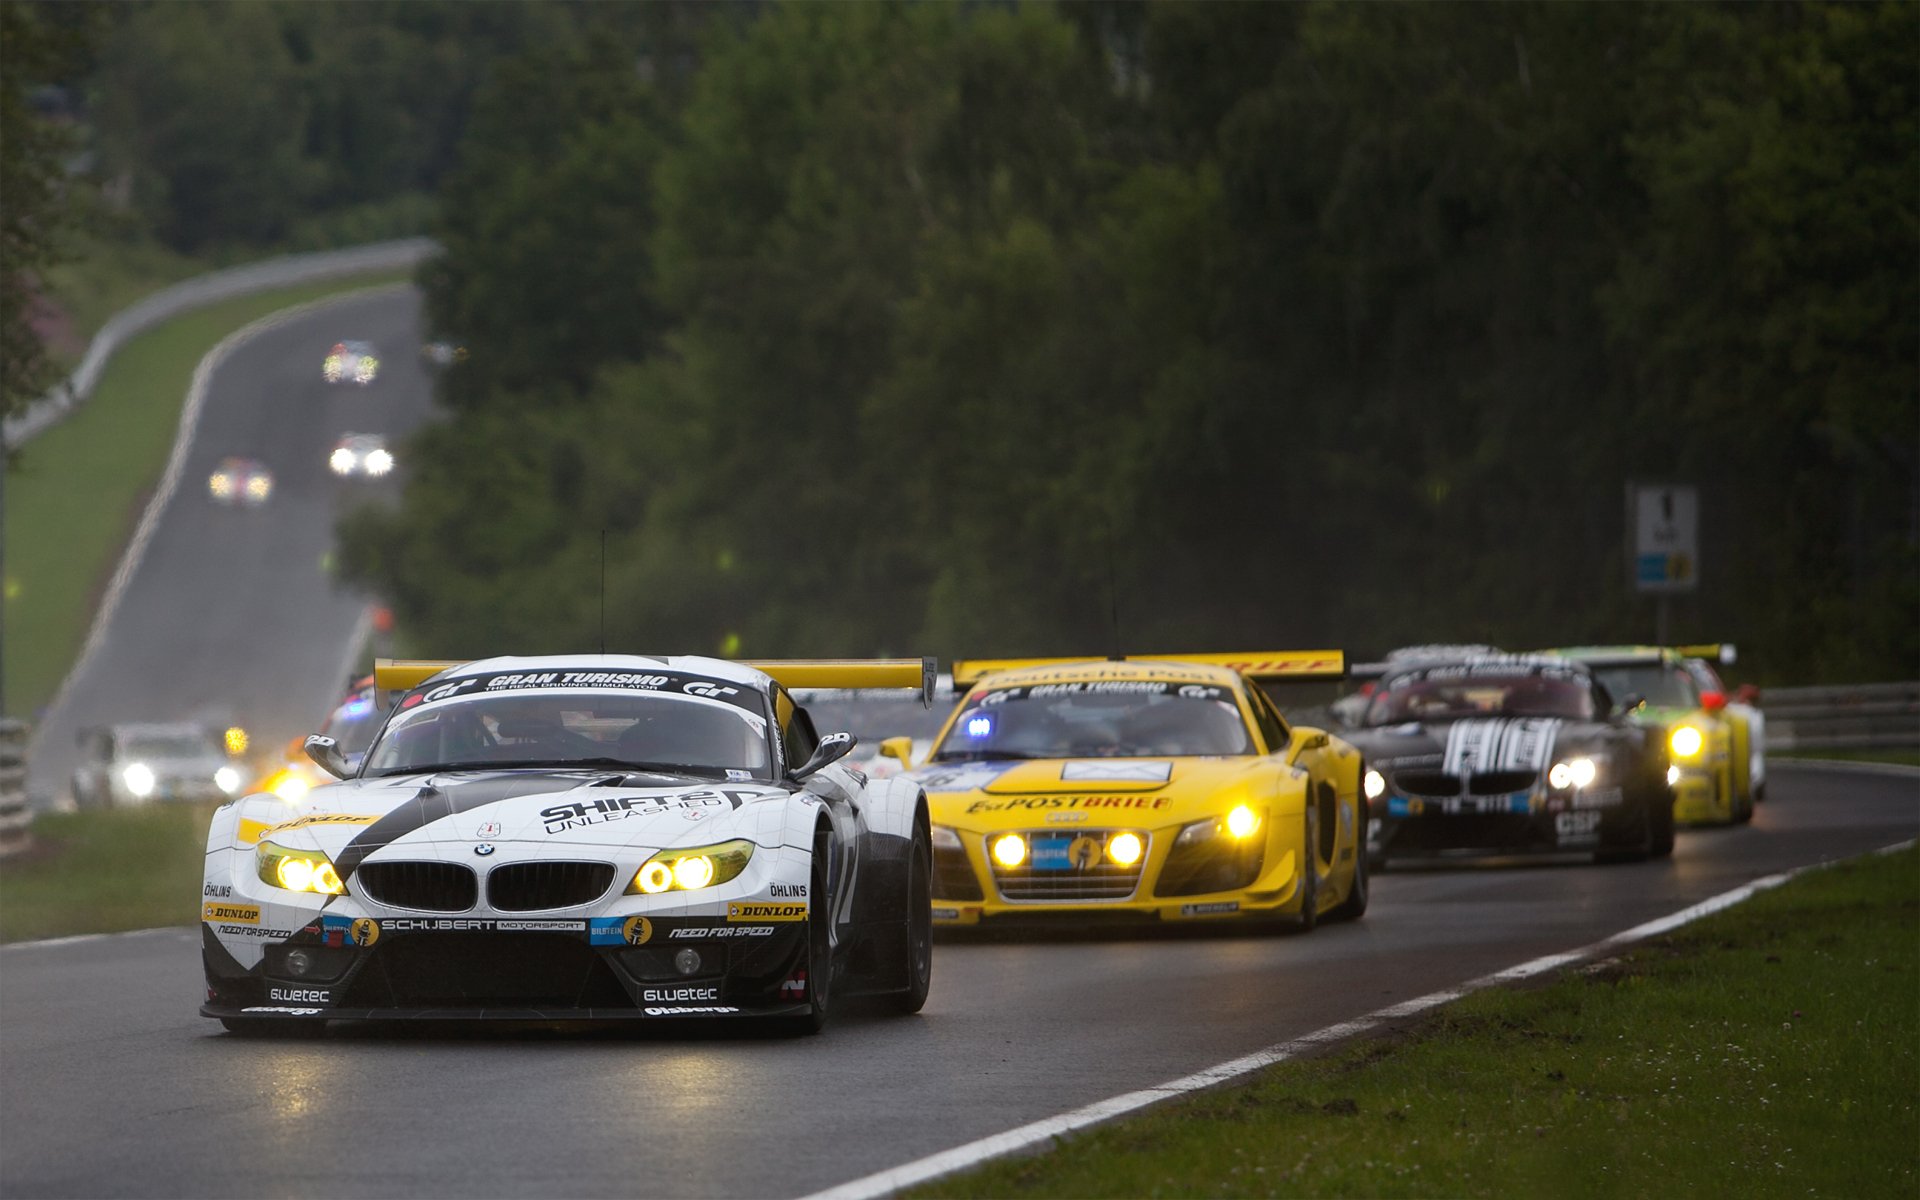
x: 1702, y: 795
x: 514, y: 968
x: 1537, y: 820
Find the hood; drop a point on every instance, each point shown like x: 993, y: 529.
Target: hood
x: 1467, y: 746
x: 1137, y: 792
x: 513, y: 810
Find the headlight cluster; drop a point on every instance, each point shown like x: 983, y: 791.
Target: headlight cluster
x: 1009, y: 850
x: 691, y: 869
x: 1375, y: 784
x: 297, y: 870
x: 139, y: 779
x: 1686, y: 741
x: 1239, y: 824
x: 227, y: 779
x: 945, y: 839
x: 1573, y: 773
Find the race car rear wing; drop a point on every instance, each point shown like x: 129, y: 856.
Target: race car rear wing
x: 916, y: 673
x: 1724, y: 653
x: 920, y: 674
x: 1277, y: 664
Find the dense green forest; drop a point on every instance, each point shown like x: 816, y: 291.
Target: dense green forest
x: 1029, y: 329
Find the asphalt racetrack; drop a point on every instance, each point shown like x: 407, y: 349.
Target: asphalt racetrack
x: 231, y: 614
x: 112, y: 1085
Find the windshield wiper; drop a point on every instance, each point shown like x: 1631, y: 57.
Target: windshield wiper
x: 564, y: 764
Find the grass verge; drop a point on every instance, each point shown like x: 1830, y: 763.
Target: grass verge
x: 1769, y: 1050
x: 104, y: 871
x: 74, y: 493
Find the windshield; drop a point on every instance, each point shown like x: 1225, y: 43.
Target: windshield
x: 178, y: 745
x: 354, y: 723
x: 643, y: 730
x: 1097, y: 720
x: 1660, y: 685
x: 1447, y: 695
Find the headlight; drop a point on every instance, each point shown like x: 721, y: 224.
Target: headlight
x: 297, y: 870
x: 1673, y: 775
x: 220, y: 485
x: 1240, y: 824
x: 227, y: 780
x: 691, y: 869
x: 379, y: 462
x: 1242, y: 821
x: 1010, y: 850
x: 1686, y: 741
x: 1125, y: 849
x: 945, y: 839
x: 341, y: 460
x: 1575, y: 773
x: 139, y: 779
x: 1376, y: 784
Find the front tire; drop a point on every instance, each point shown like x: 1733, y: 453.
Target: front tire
x: 1355, y: 905
x: 820, y: 942
x: 1310, y: 873
x: 919, y: 965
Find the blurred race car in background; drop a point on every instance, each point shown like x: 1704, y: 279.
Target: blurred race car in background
x: 240, y: 481
x: 364, y: 454
x: 1718, y: 741
x: 443, y: 353
x: 1507, y: 753
x: 578, y: 838
x: 1147, y: 788
x: 350, y: 362
x: 126, y: 765
x: 878, y: 715
x: 351, y: 725
x: 1351, y: 709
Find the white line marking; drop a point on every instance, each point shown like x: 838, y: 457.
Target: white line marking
x: 960, y: 1158
x: 176, y: 466
x: 77, y: 938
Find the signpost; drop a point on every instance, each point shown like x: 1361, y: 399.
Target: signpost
x: 1665, y: 519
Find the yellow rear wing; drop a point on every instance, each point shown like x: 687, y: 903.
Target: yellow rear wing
x: 1723, y: 653
x: 1275, y: 664
x: 840, y: 673
x: 399, y: 674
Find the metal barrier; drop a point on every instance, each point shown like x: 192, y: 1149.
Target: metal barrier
x: 16, y: 817
x: 199, y: 292
x: 1861, y: 716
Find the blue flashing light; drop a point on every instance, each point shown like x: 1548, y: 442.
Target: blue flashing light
x: 355, y: 708
x: 979, y: 727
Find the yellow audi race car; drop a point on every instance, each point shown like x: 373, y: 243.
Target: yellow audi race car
x: 1165, y: 788
x: 1717, y: 744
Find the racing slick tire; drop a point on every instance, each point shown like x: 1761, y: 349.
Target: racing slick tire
x: 919, y: 965
x: 1310, y: 873
x: 819, y: 943
x: 1660, y: 822
x: 1355, y: 905
x: 1742, y: 805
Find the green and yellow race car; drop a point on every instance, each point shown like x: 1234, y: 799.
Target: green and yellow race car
x: 1162, y: 788
x: 1717, y: 741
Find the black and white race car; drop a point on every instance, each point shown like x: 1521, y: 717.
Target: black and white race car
x: 579, y: 837
x: 1501, y: 753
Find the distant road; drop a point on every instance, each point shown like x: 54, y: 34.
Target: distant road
x: 231, y: 615
x: 112, y: 1085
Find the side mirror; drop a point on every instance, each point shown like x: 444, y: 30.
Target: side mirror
x: 900, y: 748
x: 1747, y: 693
x: 325, y: 753
x: 832, y: 748
x: 1713, y: 701
x: 1313, y: 741
x: 1631, y: 701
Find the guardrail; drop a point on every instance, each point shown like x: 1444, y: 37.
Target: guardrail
x: 16, y: 816
x: 1862, y: 716
x: 199, y: 292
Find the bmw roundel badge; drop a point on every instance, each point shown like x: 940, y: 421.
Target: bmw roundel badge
x: 483, y: 849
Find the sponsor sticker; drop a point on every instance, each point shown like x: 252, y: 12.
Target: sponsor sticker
x: 691, y: 1010
x: 244, y: 913
x: 296, y: 995
x: 739, y: 910
x: 222, y: 890
x: 678, y: 995
x: 478, y: 925
x: 795, y: 988
x: 292, y: 1012
x: 636, y: 931
x: 582, y: 814
x: 794, y: 891
x: 1210, y: 910
x: 253, y: 931
x: 323, y: 819
x: 488, y: 829
x: 1080, y: 804
x: 946, y: 914
x: 723, y: 931
x: 365, y: 931
x: 1108, y: 770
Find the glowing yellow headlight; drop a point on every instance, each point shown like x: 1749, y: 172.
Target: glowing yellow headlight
x: 1010, y: 851
x: 1242, y: 821
x: 1686, y: 741
x: 236, y: 739
x: 297, y: 870
x: 691, y: 869
x: 1125, y: 849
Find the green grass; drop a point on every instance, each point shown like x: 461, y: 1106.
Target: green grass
x: 103, y: 871
x: 1770, y: 1050
x: 106, y: 274
x: 74, y: 494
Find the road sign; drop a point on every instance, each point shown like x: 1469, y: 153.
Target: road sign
x: 1665, y: 519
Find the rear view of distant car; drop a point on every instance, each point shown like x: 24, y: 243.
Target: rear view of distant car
x: 351, y: 362
x: 240, y: 483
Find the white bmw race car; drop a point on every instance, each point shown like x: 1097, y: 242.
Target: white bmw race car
x: 580, y: 837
